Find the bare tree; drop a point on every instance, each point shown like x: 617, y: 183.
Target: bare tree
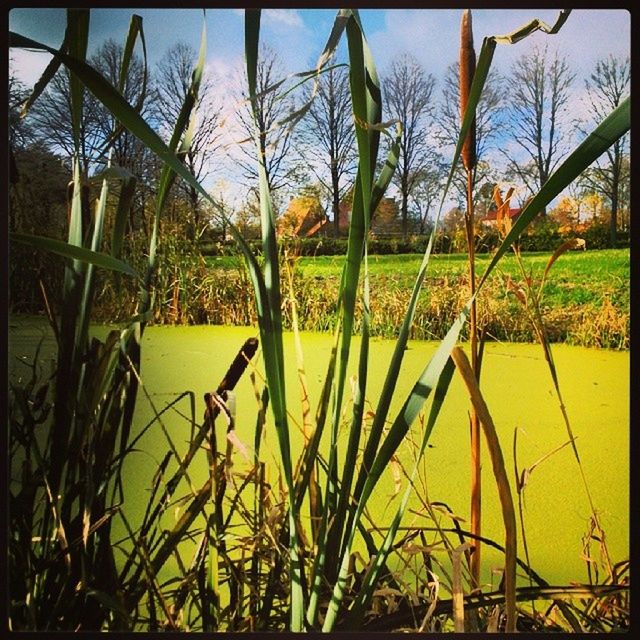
x: 173, y: 77
x: 50, y: 117
x: 607, y: 87
x: 489, y: 120
x: 428, y: 186
x: 21, y: 132
x: 537, y: 103
x: 276, y: 140
x: 128, y: 151
x: 328, y: 137
x: 38, y: 179
x: 409, y: 91
x: 51, y: 122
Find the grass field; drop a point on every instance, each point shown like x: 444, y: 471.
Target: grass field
x: 585, y: 299
x: 576, y: 278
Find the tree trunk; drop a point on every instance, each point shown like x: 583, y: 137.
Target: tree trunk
x: 336, y: 202
x: 613, y: 228
x: 405, y: 211
x: 195, y: 214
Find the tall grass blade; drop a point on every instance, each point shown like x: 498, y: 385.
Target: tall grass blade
x: 72, y: 252
x: 467, y: 70
x: 45, y: 78
x: 135, y: 30
x: 468, y: 153
x: 502, y: 481
x: 78, y: 26
x: 366, y: 101
x: 125, y: 201
x: 356, y: 614
x: 84, y: 311
x: 271, y: 331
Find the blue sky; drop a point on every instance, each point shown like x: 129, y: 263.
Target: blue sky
x: 298, y: 35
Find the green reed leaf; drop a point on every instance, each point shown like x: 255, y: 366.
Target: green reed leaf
x: 73, y: 252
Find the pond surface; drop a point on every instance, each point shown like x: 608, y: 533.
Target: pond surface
x: 518, y: 391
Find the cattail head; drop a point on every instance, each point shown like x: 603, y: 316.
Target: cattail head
x: 467, y: 69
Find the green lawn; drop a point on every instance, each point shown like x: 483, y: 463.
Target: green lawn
x: 578, y: 277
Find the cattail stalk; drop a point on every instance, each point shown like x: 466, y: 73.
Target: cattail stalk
x: 467, y: 70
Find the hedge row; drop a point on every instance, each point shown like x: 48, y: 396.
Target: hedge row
x: 543, y: 239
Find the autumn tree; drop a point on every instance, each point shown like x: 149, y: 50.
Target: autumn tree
x: 328, y: 137
x: 385, y: 218
x: 567, y: 212
x: 607, y: 86
x: 409, y: 94
x: 538, y: 100
x: 304, y: 213
x: 592, y: 202
x: 624, y: 195
x: 247, y: 218
x: 452, y: 220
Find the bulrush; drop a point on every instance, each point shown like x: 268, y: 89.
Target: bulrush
x: 467, y: 69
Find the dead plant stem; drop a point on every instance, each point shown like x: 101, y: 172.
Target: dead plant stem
x: 476, y: 486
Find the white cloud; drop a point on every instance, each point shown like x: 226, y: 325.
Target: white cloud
x: 226, y: 77
x: 433, y: 36
x: 28, y: 65
x: 222, y: 69
x: 430, y: 35
x: 286, y: 17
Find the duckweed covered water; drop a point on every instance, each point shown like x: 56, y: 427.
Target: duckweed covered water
x: 518, y: 390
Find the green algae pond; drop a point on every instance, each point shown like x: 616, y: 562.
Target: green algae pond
x: 519, y: 393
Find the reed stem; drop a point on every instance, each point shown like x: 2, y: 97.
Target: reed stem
x: 467, y: 71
